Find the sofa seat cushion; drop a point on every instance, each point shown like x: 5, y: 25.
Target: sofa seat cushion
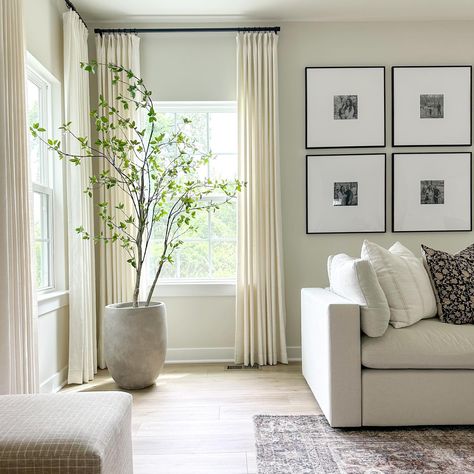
x: 71, y: 433
x: 428, y: 344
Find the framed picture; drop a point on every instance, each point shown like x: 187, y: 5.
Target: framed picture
x: 345, y: 107
x: 345, y: 193
x: 431, y: 105
x: 432, y: 192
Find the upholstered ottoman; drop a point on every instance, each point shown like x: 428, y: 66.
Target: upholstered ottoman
x: 79, y: 433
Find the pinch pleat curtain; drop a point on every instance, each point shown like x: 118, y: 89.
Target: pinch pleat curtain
x: 260, y: 306
x: 116, y: 276
x: 18, y: 337
x: 82, y: 297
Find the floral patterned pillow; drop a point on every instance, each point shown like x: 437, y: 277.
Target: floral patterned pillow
x: 452, y: 277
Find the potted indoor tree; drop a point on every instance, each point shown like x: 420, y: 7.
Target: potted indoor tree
x: 159, y: 173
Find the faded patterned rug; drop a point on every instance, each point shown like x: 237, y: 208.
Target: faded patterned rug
x: 307, y: 445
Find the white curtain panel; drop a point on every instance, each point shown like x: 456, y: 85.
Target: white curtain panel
x: 260, y: 313
x: 82, y: 304
x: 18, y: 338
x: 116, y: 276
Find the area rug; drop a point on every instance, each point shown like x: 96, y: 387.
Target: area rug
x: 307, y: 445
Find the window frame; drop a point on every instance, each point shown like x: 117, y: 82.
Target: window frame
x: 178, y: 287
x: 55, y: 294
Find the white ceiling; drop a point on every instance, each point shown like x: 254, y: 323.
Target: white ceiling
x: 148, y: 11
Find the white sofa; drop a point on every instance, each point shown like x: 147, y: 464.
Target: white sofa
x: 418, y: 375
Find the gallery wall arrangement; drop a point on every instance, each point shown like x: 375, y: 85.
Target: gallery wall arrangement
x: 345, y: 108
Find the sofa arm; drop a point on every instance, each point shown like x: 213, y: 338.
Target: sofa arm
x: 330, y: 346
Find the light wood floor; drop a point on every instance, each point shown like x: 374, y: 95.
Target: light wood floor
x: 197, y: 419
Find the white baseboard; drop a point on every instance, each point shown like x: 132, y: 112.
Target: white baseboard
x: 294, y: 353
x: 214, y: 354
x: 199, y: 355
x: 55, y: 383
x: 185, y: 355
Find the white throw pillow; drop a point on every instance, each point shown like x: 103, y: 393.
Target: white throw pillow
x: 405, y: 282
x: 355, y: 279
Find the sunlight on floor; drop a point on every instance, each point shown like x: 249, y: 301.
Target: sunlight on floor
x: 198, y: 418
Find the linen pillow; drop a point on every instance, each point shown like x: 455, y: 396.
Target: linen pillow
x: 405, y: 282
x: 452, y: 277
x: 355, y: 279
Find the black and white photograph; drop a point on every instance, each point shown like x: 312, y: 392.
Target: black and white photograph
x: 346, y: 194
x: 345, y: 107
x: 432, y: 192
x: 431, y: 106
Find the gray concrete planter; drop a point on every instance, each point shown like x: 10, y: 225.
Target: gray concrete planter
x: 135, y: 341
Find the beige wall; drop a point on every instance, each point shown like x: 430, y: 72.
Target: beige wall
x: 44, y: 40
x: 347, y: 44
x: 53, y: 329
x: 202, y: 67
x: 200, y: 327
x: 44, y: 33
x: 186, y: 66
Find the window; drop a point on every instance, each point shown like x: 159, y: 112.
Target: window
x: 210, y: 253
x: 38, y: 102
x: 43, y: 105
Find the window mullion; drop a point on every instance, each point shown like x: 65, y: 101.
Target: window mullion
x: 209, y: 243
x: 209, y: 224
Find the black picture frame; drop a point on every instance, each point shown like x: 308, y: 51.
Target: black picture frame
x: 398, y: 231
x: 381, y: 145
x: 308, y: 232
x: 418, y: 145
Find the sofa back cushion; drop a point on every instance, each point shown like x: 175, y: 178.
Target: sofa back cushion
x: 355, y: 280
x: 453, y: 283
x: 405, y: 282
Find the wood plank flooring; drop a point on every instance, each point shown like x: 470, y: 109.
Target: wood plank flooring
x: 197, y: 419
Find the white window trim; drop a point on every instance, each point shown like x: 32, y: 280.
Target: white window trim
x: 195, y: 287
x: 56, y: 296
x: 49, y: 301
x: 196, y: 106
x: 167, y: 289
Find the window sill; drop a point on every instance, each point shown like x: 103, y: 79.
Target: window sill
x: 202, y: 288
x: 52, y: 301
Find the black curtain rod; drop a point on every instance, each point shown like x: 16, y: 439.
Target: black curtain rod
x: 73, y: 8
x: 101, y: 31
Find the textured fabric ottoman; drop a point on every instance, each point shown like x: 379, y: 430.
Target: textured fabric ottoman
x: 79, y: 433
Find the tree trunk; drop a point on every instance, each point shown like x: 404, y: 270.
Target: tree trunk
x: 136, y: 291
x: 150, y: 293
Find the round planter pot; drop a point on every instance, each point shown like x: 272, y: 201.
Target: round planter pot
x: 135, y: 341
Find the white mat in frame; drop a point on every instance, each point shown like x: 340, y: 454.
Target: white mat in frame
x: 432, y: 192
x: 345, y: 106
x: 431, y: 105
x: 345, y: 193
